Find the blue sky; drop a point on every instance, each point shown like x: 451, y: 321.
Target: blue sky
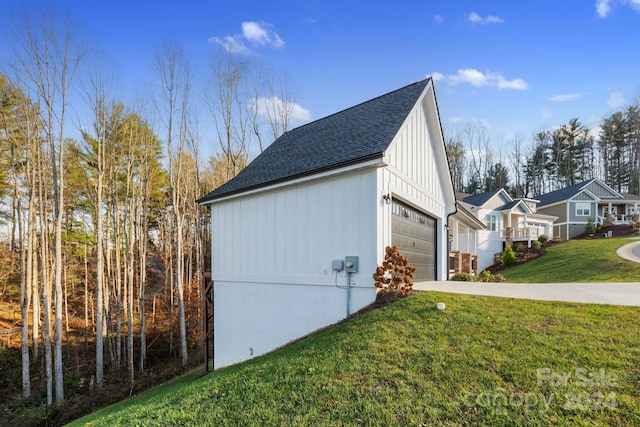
x: 518, y: 67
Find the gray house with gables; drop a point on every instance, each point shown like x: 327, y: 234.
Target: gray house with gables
x: 589, y: 200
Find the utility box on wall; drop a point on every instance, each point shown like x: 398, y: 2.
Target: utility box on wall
x: 351, y: 263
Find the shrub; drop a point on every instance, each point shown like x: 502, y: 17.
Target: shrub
x: 485, y: 275
x: 508, y: 256
x: 462, y: 277
x: 591, y: 226
x: 395, y: 275
x: 543, y: 239
x: 535, y: 244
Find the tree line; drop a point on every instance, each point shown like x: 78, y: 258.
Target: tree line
x: 107, y: 220
x: 553, y: 159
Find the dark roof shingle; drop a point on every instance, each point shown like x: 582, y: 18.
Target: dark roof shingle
x: 562, y: 194
x: 355, y: 135
x: 480, y: 199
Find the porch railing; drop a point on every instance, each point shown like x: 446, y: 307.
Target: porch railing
x: 523, y: 233
x: 615, y: 219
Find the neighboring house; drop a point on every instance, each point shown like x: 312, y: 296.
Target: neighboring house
x: 508, y: 221
x: 343, y: 186
x: 594, y: 199
x: 463, y: 236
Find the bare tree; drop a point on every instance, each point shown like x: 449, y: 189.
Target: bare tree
x: 280, y: 107
x: 47, y: 55
x: 97, y: 97
x: 15, y: 139
x: 227, y: 101
x: 517, y: 165
x: 176, y: 88
x: 479, y: 154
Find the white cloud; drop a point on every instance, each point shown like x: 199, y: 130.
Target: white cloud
x: 616, y: 100
x: 437, y: 76
x: 546, y: 113
x: 231, y: 44
x: 603, y: 7
x: 503, y: 83
x: 474, y: 18
x: 479, y: 79
x: 254, y: 33
x: 262, y: 34
x: 267, y: 107
x: 438, y: 19
x: 470, y: 76
x: 595, y: 131
x: 565, y: 97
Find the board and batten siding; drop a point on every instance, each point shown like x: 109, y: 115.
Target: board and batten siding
x: 272, y: 261
x: 418, y: 174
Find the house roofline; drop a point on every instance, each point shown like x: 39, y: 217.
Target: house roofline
x: 365, y: 162
x: 460, y: 209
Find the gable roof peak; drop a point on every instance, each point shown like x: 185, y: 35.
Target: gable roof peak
x: 355, y: 135
x: 482, y: 198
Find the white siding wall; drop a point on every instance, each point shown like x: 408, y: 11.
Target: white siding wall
x: 489, y: 242
x: 419, y: 175
x: 272, y: 261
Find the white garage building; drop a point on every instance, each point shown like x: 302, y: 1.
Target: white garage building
x: 343, y: 186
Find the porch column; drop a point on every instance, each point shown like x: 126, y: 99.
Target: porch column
x: 509, y: 231
x: 456, y: 244
x: 568, y: 219
x: 526, y: 224
x: 469, y: 239
x: 609, y: 212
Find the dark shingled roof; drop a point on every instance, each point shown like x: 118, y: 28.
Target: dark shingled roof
x: 480, y: 199
x: 510, y: 205
x: 355, y: 135
x: 562, y: 194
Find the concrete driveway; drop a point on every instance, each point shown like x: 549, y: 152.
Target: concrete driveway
x: 621, y: 293
x: 624, y: 293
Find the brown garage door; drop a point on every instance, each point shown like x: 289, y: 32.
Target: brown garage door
x: 414, y: 233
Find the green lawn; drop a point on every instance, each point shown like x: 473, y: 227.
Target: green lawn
x: 482, y: 361
x: 589, y: 260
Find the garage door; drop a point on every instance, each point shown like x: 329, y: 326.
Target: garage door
x: 414, y: 233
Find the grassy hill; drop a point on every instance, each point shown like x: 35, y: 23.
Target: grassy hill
x: 582, y: 260
x: 482, y: 361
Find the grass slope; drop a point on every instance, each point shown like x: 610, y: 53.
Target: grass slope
x: 588, y: 260
x: 476, y: 363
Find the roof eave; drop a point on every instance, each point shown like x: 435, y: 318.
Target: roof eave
x: 212, y: 198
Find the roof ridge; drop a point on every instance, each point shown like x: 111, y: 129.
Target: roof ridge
x: 360, y: 104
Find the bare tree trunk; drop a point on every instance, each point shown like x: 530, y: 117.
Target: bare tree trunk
x: 118, y: 291
x: 130, y: 280
x: 35, y: 292
x: 25, y: 277
x: 47, y: 57
x: 174, y: 74
x: 46, y: 283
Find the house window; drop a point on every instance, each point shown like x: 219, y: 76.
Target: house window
x: 491, y: 222
x: 583, y: 209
